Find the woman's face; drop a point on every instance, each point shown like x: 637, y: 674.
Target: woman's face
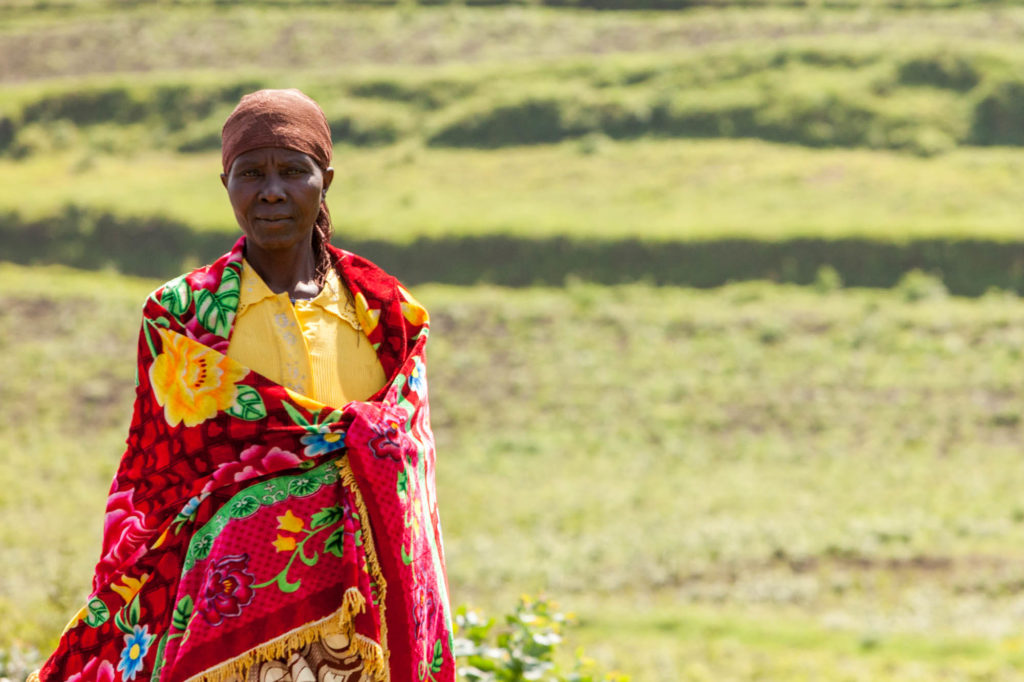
x: 276, y: 196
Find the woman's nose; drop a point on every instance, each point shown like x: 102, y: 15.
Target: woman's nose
x: 273, y: 188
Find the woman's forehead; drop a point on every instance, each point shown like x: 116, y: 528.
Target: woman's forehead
x: 273, y: 155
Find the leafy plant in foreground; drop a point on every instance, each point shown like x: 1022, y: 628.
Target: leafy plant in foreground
x: 523, y: 649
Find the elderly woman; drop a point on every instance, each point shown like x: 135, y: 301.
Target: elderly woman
x: 273, y: 517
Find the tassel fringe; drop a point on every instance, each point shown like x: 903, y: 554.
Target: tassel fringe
x: 349, y: 479
x: 373, y: 654
x: 342, y: 621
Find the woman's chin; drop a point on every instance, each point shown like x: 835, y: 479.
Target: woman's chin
x: 271, y: 238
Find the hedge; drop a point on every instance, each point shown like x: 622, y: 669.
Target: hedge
x: 157, y: 247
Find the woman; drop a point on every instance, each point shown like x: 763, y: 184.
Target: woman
x: 273, y: 517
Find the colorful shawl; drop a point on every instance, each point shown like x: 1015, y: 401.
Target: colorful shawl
x: 246, y: 520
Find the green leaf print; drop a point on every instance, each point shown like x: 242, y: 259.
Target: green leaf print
x: 121, y: 624
x: 403, y: 484
x: 243, y: 507
x: 134, y: 611
x: 158, y: 662
x: 327, y: 516
x: 248, y: 405
x: 336, y: 543
x: 438, y: 661
x: 176, y: 296
x: 215, y: 310
x: 97, y: 613
x: 182, y: 614
x: 201, y: 547
x: 298, y: 418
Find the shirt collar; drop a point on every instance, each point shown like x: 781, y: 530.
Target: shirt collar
x: 333, y: 297
x: 253, y: 288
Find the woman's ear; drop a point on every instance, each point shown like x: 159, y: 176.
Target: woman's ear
x: 328, y: 177
x: 224, y: 180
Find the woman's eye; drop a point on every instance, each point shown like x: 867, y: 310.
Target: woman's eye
x: 294, y: 171
x: 250, y: 173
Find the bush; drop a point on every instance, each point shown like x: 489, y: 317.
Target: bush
x: 999, y: 114
x: 940, y: 70
x: 524, y: 648
x: 528, y: 118
x: 917, y: 285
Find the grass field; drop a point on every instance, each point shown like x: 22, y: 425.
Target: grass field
x: 753, y: 482
x: 596, y: 188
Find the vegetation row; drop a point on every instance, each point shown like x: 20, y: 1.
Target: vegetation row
x: 160, y: 247
x: 925, y: 100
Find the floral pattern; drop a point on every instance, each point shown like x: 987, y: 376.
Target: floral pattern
x: 215, y: 453
x: 94, y: 671
x: 136, y: 646
x: 368, y: 316
x: 124, y: 534
x: 192, y: 382
x: 323, y: 442
x: 414, y: 313
x: 129, y: 586
x: 256, y: 460
x: 389, y: 439
x: 418, y: 377
x: 228, y: 589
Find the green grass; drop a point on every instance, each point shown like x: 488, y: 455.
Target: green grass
x: 142, y: 38
x: 662, y: 190
x: 751, y: 481
x: 890, y: 80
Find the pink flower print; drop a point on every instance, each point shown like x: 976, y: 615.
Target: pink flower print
x: 203, y: 278
x: 228, y: 588
x: 94, y: 671
x: 200, y: 334
x: 256, y: 460
x: 124, y: 536
x: 389, y: 439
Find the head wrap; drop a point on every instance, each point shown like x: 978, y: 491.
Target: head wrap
x: 276, y: 118
x: 291, y: 120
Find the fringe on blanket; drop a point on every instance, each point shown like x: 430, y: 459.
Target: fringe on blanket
x: 353, y: 603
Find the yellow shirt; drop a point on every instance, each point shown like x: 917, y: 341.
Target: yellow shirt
x: 315, y: 347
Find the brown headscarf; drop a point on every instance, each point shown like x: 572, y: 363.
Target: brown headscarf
x: 287, y: 119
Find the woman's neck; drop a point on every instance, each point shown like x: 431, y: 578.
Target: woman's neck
x: 289, y: 271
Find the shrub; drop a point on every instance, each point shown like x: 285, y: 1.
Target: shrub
x: 998, y: 115
x: 940, y: 70
x: 528, y: 118
x: 917, y: 285
x: 524, y: 648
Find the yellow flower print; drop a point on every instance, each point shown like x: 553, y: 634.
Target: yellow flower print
x: 290, y: 522
x: 367, y: 318
x: 415, y: 313
x: 284, y: 543
x: 305, y: 401
x: 131, y: 587
x: 192, y: 382
x: 160, y: 540
x: 76, y: 619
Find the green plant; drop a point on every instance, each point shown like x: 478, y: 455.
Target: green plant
x: 525, y: 648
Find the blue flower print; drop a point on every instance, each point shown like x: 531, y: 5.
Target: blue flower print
x: 323, y: 442
x: 188, y: 512
x: 418, y: 377
x: 136, y: 645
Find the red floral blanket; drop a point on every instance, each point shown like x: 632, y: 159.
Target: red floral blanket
x: 246, y: 520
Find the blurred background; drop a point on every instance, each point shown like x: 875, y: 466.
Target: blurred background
x: 727, y: 344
